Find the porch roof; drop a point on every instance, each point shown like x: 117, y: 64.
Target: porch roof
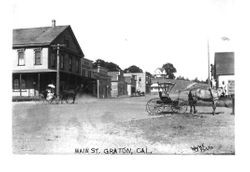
x: 33, y: 71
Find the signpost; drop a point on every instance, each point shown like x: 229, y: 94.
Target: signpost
x: 230, y: 87
x: 208, y: 57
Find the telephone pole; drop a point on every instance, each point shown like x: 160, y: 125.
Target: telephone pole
x: 58, y: 46
x: 208, y: 57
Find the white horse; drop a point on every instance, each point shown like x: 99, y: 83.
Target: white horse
x: 204, y: 94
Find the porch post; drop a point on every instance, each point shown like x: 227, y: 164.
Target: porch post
x: 75, y: 80
x: 233, y: 104
x: 58, y: 71
x: 38, y: 83
x: 68, y: 81
x: 98, y: 88
x: 20, y: 83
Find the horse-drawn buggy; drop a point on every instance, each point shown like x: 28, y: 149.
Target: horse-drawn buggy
x: 164, y: 103
x: 67, y: 96
x: 196, y: 92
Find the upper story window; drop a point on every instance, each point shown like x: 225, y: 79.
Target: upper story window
x: 77, y: 66
x: 53, y: 60
x: 66, y: 42
x: 70, y: 63
x: 21, y: 57
x: 89, y: 74
x: 38, y: 53
x: 62, y: 61
x: 83, y: 72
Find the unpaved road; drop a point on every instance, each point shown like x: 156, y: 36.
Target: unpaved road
x: 111, y: 124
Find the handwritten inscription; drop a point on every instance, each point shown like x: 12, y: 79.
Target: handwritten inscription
x: 201, y: 148
x: 113, y: 151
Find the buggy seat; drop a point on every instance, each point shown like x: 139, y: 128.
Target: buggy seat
x: 164, y: 99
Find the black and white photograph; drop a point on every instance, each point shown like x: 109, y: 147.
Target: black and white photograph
x: 124, y: 85
x: 123, y: 77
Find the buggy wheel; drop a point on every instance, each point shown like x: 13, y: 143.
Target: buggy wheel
x: 54, y: 100
x: 70, y: 100
x: 180, y: 107
x: 42, y: 98
x: 153, y: 107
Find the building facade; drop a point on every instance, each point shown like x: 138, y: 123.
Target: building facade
x: 143, y: 81
x: 88, y: 79
x: 35, y: 59
x: 102, y: 84
x: 118, y: 84
x: 159, y: 72
x: 224, y: 71
x: 131, y: 84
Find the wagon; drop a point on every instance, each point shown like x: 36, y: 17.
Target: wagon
x: 164, y: 103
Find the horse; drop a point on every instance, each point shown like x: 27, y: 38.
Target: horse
x: 71, y: 93
x: 203, y: 94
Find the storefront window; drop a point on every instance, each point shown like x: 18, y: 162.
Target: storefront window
x: 16, y: 84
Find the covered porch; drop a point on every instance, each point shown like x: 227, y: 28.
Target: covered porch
x: 28, y: 85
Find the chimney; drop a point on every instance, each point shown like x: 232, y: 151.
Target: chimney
x: 53, y: 23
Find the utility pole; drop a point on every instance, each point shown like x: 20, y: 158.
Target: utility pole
x: 58, y: 46
x: 208, y: 57
x: 98, y: 81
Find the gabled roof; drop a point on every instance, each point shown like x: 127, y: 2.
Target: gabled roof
x: 39, y: 36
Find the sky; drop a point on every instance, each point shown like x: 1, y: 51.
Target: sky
x: 145, y: 33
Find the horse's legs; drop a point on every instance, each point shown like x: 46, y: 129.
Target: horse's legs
x: 214, y: 107
x: 74, y: 97
x: 195, y: 109
x: 191, y: 109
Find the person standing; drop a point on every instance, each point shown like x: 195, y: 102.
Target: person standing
x: 224, y: 88
x: 213, y: 84
x: 50, y: 92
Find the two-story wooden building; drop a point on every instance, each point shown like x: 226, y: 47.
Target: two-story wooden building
x: 224, y: 71
x: 87, y: 74
x: 35, y: 59
x: 131, y: 84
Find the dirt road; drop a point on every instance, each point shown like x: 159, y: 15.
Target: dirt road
x: 118, y: 126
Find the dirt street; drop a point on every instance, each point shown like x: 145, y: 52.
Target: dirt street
x: 118, y: 126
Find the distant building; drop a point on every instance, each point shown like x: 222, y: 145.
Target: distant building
x: 118, y: 84
x: 131, y: 84
x: 155, y: 88
x: 102, y: 84
x: 159, y: 72
x: 224, y: 70
x: 35, y: 60
x: 88, y: 80
x: 143, y: 81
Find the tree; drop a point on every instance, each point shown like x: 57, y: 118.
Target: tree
x: 149, y: 74
x: 199, y: 81
x: 196, y: 80
x: 170, y: 70
x: 180, y: 78
x: 101, y: 62
x: 133, y: 69
x: 108, y: 65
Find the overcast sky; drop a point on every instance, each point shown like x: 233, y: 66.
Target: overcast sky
x: 146, y: 33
